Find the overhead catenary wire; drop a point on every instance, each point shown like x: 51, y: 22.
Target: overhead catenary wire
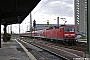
x: 42, y: 6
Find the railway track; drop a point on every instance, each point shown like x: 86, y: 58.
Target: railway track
x: 80, y: 46
x: 67, y: 52
x: 39, y: 54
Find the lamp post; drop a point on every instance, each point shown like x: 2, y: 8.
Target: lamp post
x: 57, y: 21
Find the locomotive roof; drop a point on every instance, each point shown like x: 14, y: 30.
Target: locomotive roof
x: 55, y: 27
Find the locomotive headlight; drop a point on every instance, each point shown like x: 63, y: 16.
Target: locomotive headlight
x: 72, y: 34
x: 69, y: 34
x: 66, y: 34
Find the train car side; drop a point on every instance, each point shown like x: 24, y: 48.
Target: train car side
x: 64, y: 34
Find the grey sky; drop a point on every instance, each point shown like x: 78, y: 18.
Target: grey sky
x: 55, y: 7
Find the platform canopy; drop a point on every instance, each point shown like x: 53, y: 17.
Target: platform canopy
x: 10, y: 10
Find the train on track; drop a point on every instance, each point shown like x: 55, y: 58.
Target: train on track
x: 64, y: 33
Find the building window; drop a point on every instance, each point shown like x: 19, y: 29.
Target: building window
x: 77, y: 10
x: 77, y: 3
x: 77, y: 0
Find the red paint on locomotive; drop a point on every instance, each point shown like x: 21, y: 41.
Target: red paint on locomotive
x: 62, y: 32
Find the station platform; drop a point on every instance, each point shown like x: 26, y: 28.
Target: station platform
x: 12, y: 51
x: 82, y: 40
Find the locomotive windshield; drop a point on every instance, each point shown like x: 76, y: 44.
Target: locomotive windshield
x: 69, y: 29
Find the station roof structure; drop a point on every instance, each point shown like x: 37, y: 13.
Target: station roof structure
x: 10, y: 10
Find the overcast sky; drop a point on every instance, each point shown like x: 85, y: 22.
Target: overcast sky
x: 55, y: 7
x: 48, y: 10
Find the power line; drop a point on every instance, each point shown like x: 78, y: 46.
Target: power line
x: 42, y: 6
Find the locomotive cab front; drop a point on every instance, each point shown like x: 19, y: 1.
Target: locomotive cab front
x: 69, y: 34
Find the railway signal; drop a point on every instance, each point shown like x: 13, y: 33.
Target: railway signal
x: 47, y: 22
x: 34, y: 23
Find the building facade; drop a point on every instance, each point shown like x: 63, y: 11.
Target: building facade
x: 80, y: 11
x: 44, y: 26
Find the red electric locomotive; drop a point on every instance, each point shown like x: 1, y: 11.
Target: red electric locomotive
x: 64, y: 34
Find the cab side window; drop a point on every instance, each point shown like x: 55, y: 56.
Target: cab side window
x: 60, y: 29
